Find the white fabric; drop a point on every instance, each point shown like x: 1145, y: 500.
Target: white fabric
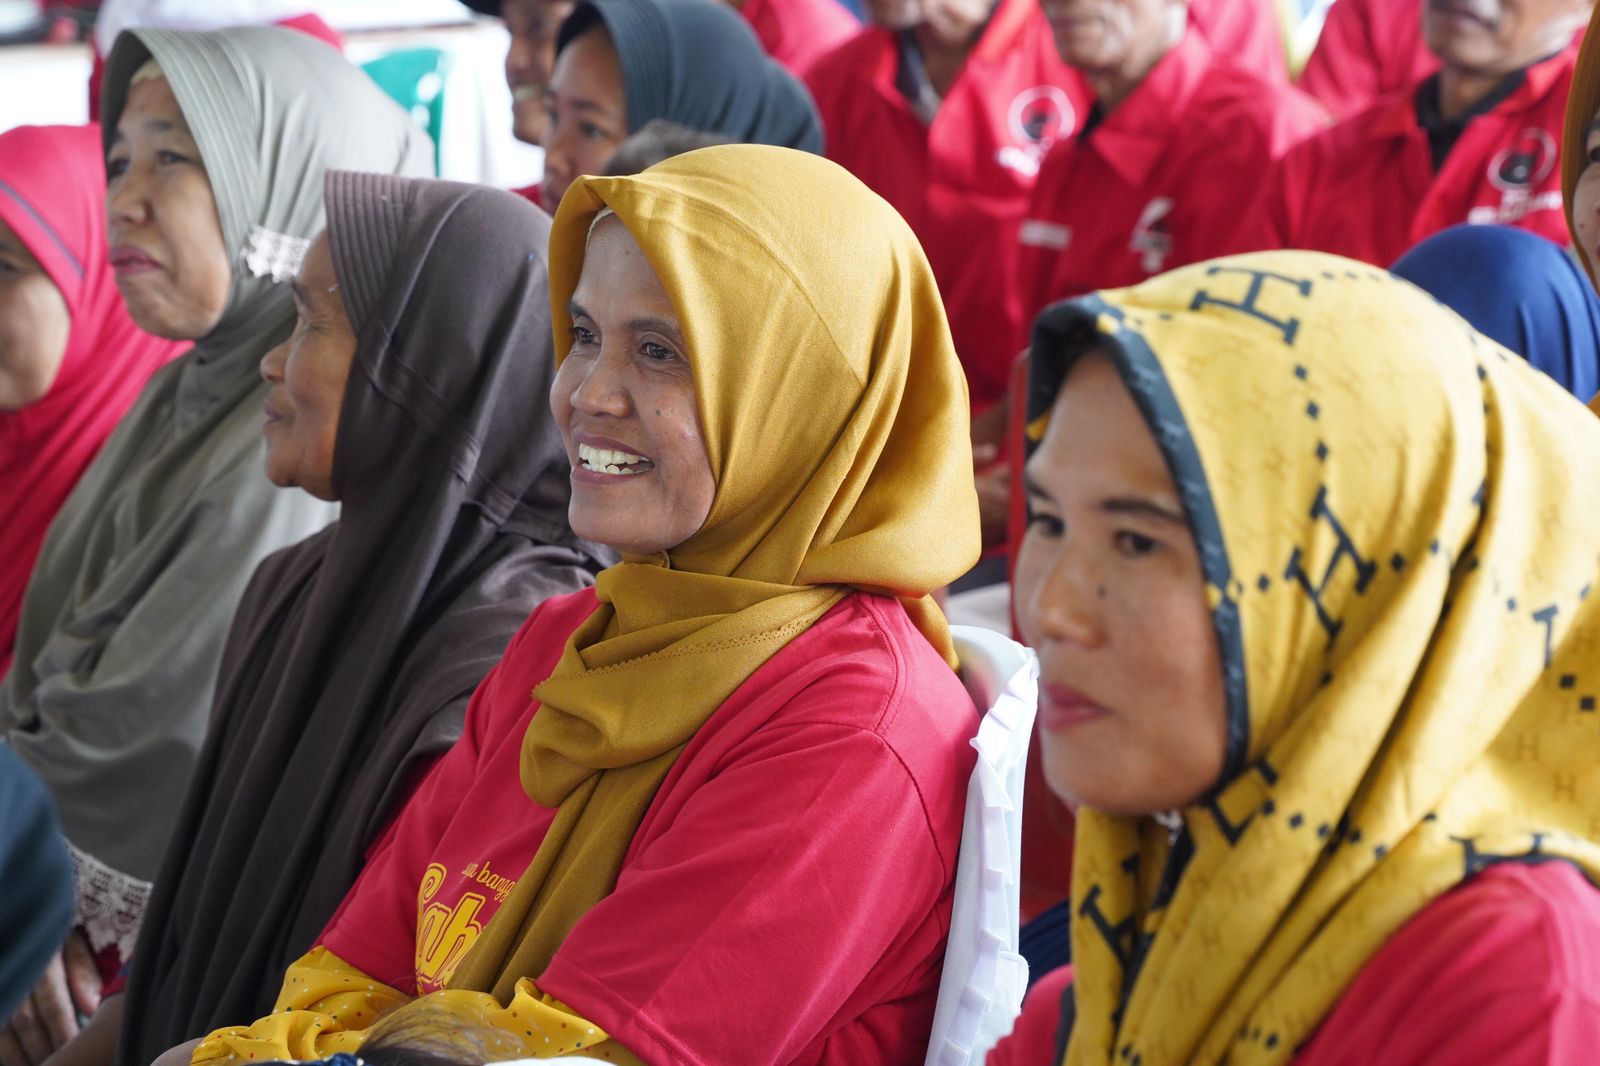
x: 980, y: 992
x: 110, y: 903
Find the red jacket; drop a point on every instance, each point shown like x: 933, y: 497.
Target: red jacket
x: 962, y: 182
x: 797, y: 33
x: 1248, y: 32
x: 1367, y: 188
x: 1368, y: 50
x: 1159, y: 182
x: 1503, y: 969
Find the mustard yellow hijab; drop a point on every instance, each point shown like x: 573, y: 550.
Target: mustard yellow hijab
x: 1399, y: 524
x: 835, y: 416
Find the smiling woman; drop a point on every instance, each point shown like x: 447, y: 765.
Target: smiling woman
x: 628, y: 372
x: 753, y: 715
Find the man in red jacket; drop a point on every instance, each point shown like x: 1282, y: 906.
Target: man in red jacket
x: 1476, y: 142
x: 1179, y: 136
x: 946, y: 108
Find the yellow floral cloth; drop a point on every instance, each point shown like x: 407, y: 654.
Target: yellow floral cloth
x: 1399, y: 523
x: 328, y: 1006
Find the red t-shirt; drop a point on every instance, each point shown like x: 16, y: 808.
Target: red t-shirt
x: 787, y: 896
x: 962, y: 183
x: 797, y: 33
x: 1368, y: 51
x: 1504, y: 969
x: 1158, y: 183
x: 1367, y: 188
x: 1248, y: 32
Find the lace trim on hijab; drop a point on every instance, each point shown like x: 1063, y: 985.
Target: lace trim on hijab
x: 111, y: 903
x: 275, y: 255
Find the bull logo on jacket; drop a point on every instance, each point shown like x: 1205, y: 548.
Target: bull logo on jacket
x: 1037, y: 119
x: 1151, y: 238
x: 1517, y: 171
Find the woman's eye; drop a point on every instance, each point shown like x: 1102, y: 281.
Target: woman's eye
x: 584, y: 335
x: 115, y: 168
x: 1048, y: 524
x: 1130, y: 543
x: 1594, y: 152
x: 170, y: 158
x: 593, y: 132
x: 659, y: 353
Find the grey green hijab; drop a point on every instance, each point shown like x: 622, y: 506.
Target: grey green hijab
x: 125, y: 615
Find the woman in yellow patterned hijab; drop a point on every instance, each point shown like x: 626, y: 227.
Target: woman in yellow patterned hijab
x: 1308, y: 569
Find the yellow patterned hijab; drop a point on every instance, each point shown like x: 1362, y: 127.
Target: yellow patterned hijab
x: 835, y: 414
x: 1399, y: 524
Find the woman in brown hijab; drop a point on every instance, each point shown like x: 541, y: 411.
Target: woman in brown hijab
x: 412, y: 391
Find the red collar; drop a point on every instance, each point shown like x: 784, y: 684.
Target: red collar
x: 1398, y: 118
x: 1133, y: 137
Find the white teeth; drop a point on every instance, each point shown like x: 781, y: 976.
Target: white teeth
x: 608, y: 460
x: 526, y: 92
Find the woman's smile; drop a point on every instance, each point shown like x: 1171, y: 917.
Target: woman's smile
x: 606, y: 460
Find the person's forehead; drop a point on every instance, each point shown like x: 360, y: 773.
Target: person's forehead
x: 152, y: 107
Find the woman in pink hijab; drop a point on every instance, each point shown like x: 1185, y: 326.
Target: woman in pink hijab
x: 71, y: 360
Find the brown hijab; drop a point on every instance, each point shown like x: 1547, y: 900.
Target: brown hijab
x: 354, y: 653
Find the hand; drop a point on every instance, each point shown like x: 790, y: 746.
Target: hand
x: 48, y: 1018
x: 994, y: 504
x: 178, y: 1056
x: 989, y: 435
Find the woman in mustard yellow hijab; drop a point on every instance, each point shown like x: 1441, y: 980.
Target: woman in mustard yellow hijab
x: 1309, y: 569
x: 710, y: 810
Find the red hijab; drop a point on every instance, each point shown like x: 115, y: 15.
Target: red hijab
x: 52, y: 193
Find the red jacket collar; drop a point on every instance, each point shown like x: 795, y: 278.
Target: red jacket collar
x: 1398, y: 116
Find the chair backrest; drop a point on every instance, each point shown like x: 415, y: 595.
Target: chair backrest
x: 980, y: 992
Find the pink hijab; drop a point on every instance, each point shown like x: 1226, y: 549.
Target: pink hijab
x: 52, y: 193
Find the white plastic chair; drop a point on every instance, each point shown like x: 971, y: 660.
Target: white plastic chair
x: 980, y: 991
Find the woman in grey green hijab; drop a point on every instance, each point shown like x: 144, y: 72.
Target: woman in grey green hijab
x: 216, y: 146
